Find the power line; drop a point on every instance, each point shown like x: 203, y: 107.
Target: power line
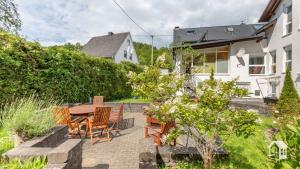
x: 123, y: 10
x: 149, y: 34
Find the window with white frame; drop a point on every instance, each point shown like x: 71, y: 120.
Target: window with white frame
x: 288, y: 19
x: 256, y: 65
x: 273, y: 62
x: 209, y: 59
x: 288, y: 57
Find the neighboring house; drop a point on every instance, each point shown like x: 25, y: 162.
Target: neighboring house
x: 258, y: 53
x: 118, y: 47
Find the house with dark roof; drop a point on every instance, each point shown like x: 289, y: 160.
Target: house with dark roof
x: 257, y: 54
x: 231, y: 51
x: 118, y: 47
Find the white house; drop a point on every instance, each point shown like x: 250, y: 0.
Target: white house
x: 255, y: 53
x: 282, y: 43
x: 118, y: 47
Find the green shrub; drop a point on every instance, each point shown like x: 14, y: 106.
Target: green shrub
x: 289, y: 102
x: 38, y: 163
x: 29, y: 117
x: 58, y: 72
x: 291, y: 136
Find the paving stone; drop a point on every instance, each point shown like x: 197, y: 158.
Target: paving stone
x: 121, y: 152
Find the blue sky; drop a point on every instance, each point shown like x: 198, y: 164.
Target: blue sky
x: 60, y: 21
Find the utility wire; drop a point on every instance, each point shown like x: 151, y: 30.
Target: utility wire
x: 123, y: 10
x: 149, y: 34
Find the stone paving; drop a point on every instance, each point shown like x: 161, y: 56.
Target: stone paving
x: 121, y: 152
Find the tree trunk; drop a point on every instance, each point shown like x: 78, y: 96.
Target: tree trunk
x: 207, y: 162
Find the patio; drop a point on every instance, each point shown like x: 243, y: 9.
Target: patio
x: 119, y: 153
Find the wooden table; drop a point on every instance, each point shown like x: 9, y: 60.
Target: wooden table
x: 82, y: 110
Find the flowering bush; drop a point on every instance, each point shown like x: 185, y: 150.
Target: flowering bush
x: 208, y: 121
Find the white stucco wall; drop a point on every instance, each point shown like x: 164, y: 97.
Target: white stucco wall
x: 120, y: 54
x: 240, y: 69
x: 277, y: 41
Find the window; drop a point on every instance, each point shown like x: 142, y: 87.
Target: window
x: 216, y: 59
x: 273, y: 62
x: 222, y: 60
x: 256, y: 65
x: 129, y: 43
x: 288, y: 57
x: 125, y: 54
x: 190, y: 32
x: 289, y: 19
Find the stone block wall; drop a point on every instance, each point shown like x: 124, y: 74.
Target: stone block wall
x: 62, y: 153
x: 129, y: 107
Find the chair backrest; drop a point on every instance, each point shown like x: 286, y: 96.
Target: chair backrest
x: 98, y: 100
x: 165, y: 128
x: 101, y: 116
x: 62, y: 116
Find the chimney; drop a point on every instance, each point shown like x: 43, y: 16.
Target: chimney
x: 110, y: 33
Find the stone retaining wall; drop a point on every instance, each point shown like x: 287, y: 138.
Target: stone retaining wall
x: 62, y: 153
x: 129, y: 107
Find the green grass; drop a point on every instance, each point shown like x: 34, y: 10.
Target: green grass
x: 250, y: 153
x: 33, y: 163
x: 133, y: 100
x: 6, y: 142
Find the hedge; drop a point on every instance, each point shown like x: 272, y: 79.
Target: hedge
x: 58, y: 72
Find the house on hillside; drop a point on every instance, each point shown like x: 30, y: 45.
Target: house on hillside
x: 256, y: 53
x: 119, y: 47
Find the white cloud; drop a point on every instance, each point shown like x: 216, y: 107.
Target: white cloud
x: 57, y: 21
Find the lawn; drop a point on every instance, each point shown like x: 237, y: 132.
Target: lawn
x: 5, y: 141
x: 250, y: 153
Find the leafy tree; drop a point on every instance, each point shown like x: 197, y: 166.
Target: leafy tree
x: 209, y: 121
x: 144, y: 54
x: 289, y: 102
x: 9, y: 16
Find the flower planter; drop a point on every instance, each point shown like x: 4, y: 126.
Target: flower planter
x: 59, y: 150
x: 151, y: 120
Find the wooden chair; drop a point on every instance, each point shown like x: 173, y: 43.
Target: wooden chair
x: 98, y: 101
x: 63, y: 117
x: 158, y: 131
x: 117, y: 117
x: 99, y: 121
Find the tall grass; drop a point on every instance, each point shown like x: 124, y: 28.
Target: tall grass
x: 29, y: 117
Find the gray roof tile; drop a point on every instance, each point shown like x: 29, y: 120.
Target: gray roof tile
x: 210, y: 34
x: 105, y: 46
